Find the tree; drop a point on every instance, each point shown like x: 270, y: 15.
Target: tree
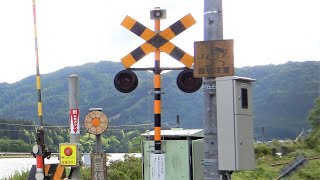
x: 128, y: 169
x: 314, y: 115
x: 88, y: 142
x: 135, y: 144
x: 312, y: 140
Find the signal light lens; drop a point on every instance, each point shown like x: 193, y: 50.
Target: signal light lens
x: 125, y: 81
x: 96, y: 122
x: 187, y: 83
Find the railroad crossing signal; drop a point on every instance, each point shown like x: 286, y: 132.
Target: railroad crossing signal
x: 156, y: 41
x: 126, y: 80
x: 159, y: 40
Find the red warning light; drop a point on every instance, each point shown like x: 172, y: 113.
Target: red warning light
x: 68, y: 151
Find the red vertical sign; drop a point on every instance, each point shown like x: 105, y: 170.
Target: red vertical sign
x: 74, y: 121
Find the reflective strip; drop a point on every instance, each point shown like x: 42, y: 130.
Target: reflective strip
x: 137, y: 28
x: 38, y: 82
x: 177, y: 53
x: 167, y: 47
x: 39, y: 163
x: 167, y: 34
x: 128, y: 22
x: 157, y: 106
x: 157, y: 120
x: 157, y: 55
x: 157, y: 133
x: 147, y: 34
x: 137, y: 54
x: 154, y: 43
x: 187, y: 60
x: 47, y: 168
x: 178, y: 27
x: 147, y: 48
x: 188, y: 21
x: 59, y: 173
x: 157, y: 81
x: 157, y: 25
x: 157, y: 96
x: 39, y: 108
x: 157, y: 145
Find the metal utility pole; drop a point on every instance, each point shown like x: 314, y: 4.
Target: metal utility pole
x: 74, y: 125
x: 213, y: 30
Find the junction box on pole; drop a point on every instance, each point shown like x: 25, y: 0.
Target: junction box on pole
x: 235, y: 123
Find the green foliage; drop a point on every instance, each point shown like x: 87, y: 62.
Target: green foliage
x: 312, y: 140
x: 260, y: 173
x: 19, y: 176
x: 262, y: 150
x: 129, y: 169
x: 18, y: 137
x: 269, y: 165
x: 135, y: 144
x: 8, y: 145
x: 311, y: 171
x: 86, y: 173
x: 314, y: 115
x: 283, y: 95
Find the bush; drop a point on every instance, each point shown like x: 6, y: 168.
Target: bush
x: 129, y: 169
x: 262, y: 150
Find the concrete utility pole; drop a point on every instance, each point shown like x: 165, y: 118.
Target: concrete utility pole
x: 74, y: 105
x: 213, y: 30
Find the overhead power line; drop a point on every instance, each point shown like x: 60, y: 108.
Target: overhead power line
x: 53, y: 126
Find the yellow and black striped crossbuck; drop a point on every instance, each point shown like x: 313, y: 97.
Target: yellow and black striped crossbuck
x: 158, y: 40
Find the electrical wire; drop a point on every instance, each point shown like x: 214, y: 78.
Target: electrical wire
x: 56, y: 126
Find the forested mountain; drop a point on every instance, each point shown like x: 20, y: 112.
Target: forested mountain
x: 283, y: 95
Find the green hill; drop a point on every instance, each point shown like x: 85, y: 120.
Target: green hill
x: 283, y: 95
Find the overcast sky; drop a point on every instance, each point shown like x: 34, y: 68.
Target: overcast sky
x: 75, y: 32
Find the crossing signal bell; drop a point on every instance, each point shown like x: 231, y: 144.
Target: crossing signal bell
x: 187, y: 83
x: 125, y: 81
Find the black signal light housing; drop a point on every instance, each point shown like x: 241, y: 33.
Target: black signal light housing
x: 125, y: 81
x: 187, y: 83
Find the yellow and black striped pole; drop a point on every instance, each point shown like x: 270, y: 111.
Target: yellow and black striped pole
x: 156, y: 42
x: 157, y: 93
x: 39, y: 149
x: 38, y: 81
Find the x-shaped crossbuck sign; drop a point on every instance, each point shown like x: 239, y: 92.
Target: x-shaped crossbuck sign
x: 159, y: 40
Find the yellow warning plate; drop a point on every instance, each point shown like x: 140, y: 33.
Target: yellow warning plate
x: 68, y: 154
